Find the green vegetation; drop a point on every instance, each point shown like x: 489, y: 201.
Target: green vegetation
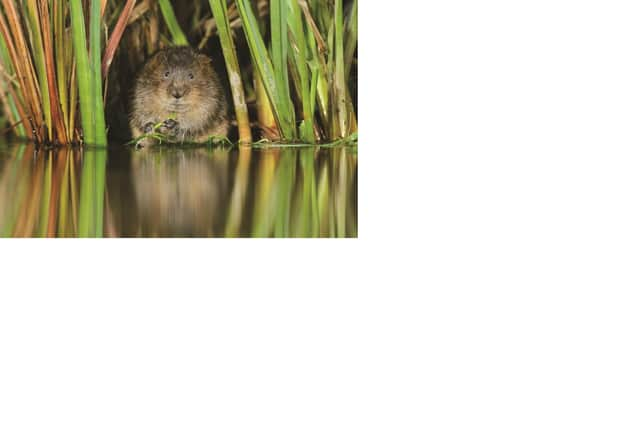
x: 172, y: 23
x: 88, y: 69
x: 219, y: 9
x: 290, y: 63
x: 66, y: 68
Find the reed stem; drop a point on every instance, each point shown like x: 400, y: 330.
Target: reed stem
x: 219, y: 10
x: 96, y: 83
x: 84, y: 71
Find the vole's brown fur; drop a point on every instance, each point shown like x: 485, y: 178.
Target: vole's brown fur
x: 179, y: 87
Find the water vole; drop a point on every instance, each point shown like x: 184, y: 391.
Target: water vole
x: 179, y: 88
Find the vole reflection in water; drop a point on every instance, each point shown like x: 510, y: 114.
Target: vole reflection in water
x: 181, y: 192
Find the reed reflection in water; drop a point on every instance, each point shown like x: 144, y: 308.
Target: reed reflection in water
x: 178, y: 191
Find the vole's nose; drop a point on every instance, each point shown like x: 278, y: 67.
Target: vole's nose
x: 177, y: 91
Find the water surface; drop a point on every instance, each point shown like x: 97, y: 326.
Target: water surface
x: 177, y: 191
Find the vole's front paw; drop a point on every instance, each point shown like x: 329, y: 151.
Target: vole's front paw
x: 170, y: 128
x: 169, y: 123
x: 148, y: 127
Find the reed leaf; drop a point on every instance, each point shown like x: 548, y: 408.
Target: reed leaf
x: 60, y: 46
x: 263, y: 64
x: 340, y: 125
x: 84, y: 76
x: 95, y: 65
x: 33, y: 27
x: 73, y: 99
x: 317, y: 47
x: 116, y: 36
x: 54, y: 100
x: 219, y: 10
x: 266, y: 119
x: 169, y: 15
x: 351, y: 38
x: 280, y: 51
x: 300, y: 60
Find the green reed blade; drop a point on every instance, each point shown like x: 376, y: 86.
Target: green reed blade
x: 351, y: 38
x: 280, y: 51
x: 263, y: 63
x: 219, y: 10
x: 266, y: 118
x: 96, y: 66
x: 317, y: 47
x: 323, y: 14
x: 83, y: 76
x: 339, y: 85
x: 179, y: 39
x: 73, y: 97
x: 300, y: 60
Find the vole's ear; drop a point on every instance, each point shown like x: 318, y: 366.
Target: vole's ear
x: 204, y: 59
x: 161, y: 56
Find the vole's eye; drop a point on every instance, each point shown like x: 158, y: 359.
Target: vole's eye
x: 190, y: 76
x: 166, y: 74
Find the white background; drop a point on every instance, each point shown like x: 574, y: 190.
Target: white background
x: 494, y: 282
